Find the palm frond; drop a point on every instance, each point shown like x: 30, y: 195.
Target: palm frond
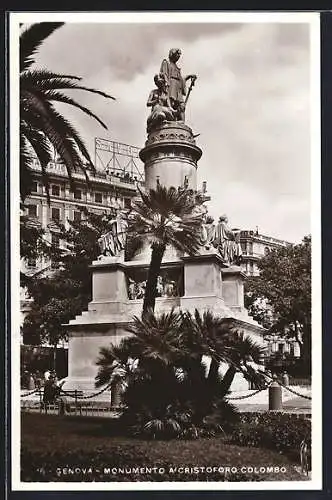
x: 52, y: 95
x: 38, y: 88
x: 31, y: 39
x: 25, y: 168
x: 245, y: 348
x: 158, y: 335
x: 42, y: 149
x: 167, y: 217
x: 32, y: 77
x: 62, y: 83
x: 65, y: 147
x: 35, y: 105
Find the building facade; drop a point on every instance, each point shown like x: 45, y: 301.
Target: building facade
x: 105, y: 193
x: 254, y: 246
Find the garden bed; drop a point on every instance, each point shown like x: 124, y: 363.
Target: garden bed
x: 79, y: 449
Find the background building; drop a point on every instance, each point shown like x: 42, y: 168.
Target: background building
x: 110, y: 189
x: 282, y: 351
x: 254, y: 247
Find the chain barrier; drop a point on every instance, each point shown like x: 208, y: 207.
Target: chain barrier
x: 76, y: 397
x: 29, y: 393
x: 247, y: 395
x: 294, y: 392
x: 285, y: 386
x: 259, y: 390
x: 69, y: 394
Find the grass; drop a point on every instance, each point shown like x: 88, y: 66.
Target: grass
x: 62, y: 449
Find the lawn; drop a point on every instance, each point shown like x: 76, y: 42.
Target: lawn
x: 63, y: 449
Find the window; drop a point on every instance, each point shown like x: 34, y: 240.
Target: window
x: 98, y: 198
x: 77, y: 216
x: 32, y: 210
x: 55, y: 214
x: 34, y: 188
x: 127, y: 203
x: 78, y: 194
x: 55, y: 190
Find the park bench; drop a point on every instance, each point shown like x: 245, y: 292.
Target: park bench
x: 66, y: 401
x: 72, y: 395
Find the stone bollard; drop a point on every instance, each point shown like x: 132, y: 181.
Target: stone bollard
x: 275, y: 396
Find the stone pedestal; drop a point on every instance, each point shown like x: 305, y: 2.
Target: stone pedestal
x: 207, y: 285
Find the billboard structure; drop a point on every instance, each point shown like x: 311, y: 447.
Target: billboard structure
x: 118, y: 158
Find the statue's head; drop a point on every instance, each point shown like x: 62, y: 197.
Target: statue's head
x: 223, y: 218
x: 174, y: 55
x: 156, y: 80
x: 160, y: 81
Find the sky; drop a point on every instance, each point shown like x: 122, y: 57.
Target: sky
x: 250, y: 105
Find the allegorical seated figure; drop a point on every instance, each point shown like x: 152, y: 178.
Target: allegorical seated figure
x: 227, y: 241
x: 113, y: 242
x: 208, y: 232
x: 159, y: 102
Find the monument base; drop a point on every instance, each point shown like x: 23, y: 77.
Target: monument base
x: 208, y: 285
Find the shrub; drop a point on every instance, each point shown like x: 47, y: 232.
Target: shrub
x: 276, y: 431
x: 177, y: 421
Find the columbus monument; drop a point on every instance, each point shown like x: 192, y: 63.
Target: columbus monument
x: 211, y: 280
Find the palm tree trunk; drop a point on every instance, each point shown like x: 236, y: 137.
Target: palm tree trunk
x: 213, y: 372
x: 151, y: 284
x: 227, y: 380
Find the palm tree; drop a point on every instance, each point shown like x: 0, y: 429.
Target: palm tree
x: 42, y: 128
x: 221, y: 340
x: 163, y: 370
x: 165, y: 216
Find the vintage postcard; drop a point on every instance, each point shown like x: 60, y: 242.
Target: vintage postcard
x: 165, y: 251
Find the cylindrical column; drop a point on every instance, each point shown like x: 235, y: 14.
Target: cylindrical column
x: 170, y: 157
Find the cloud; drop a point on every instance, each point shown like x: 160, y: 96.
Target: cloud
x: 250, y: 105
x: 124, y: 48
